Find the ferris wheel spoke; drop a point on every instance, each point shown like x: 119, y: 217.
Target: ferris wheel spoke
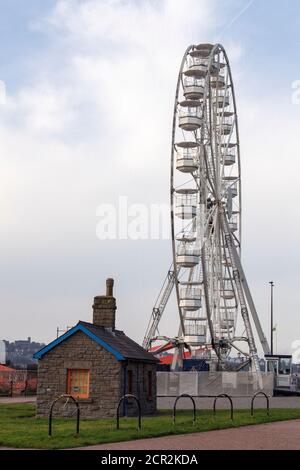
x: 207, y: 175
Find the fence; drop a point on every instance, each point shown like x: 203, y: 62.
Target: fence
x: 206, y: 383
x: 213, y: 383
x: 18, y: 382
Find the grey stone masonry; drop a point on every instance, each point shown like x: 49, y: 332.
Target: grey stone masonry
x: 104, y: 311
x: 104, y: 308
x: 140, y: 387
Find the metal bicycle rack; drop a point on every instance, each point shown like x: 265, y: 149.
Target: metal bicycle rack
x: 51, y: 410
x: 125, y: 397
x: 184, y: 395
x: 224, y: 395
x: 255, y: 396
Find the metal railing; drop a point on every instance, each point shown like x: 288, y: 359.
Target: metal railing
x: 267, y: 399
x: 51, y: 411
x: 125, y: 397
x: 184, y: 395
x: 224, y: 395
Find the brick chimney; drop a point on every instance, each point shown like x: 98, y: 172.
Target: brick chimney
x: 104, y: 308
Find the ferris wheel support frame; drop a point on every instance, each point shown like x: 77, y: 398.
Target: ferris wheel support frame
x: 224, y: 233
x: 243, y: 281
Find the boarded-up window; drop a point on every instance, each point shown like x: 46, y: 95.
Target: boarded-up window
x: 129, y: 381
x: 78, y: 383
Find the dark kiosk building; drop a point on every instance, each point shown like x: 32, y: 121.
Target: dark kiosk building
x: 96, y: 364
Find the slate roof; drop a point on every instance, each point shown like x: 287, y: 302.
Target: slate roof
x: 114, y: 341
x: 120, y: 342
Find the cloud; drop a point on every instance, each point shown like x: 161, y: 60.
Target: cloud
x: 44, y: 109
x: 2, y: 92
x: 125, y: 23
x: 95, y: 123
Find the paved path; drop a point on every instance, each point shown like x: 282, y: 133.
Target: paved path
x: 284, y: 435
x: 9, y: 400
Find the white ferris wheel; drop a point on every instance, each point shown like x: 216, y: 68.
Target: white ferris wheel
x: 205, y: 190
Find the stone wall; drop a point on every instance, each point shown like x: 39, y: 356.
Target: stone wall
x: 104, y: 311
x: 107, y: 380
x: 140, y: 387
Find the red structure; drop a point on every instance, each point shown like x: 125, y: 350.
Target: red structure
x: 17, y: 382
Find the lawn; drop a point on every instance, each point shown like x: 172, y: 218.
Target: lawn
x: 19, y: 427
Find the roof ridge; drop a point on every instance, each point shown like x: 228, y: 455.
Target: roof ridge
x: 116, y: 342
x: 102, y: 327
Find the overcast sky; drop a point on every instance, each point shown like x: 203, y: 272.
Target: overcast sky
x: 86, y: 98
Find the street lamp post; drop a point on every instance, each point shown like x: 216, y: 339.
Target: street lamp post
x: 272, y: 287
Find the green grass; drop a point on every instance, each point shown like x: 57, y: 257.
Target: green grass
x: 19, y: 427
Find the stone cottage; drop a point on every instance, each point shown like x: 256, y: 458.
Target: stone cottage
x: 97, y: 364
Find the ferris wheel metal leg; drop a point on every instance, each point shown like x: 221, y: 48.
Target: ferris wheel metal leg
x: 243, y: 280
x: 159, y: 307
x: 244, y: 298
x: 261, y: 335
x: 177, y: 362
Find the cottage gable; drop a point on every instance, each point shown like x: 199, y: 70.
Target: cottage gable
x: 97, y: 364
x: 116, y: 342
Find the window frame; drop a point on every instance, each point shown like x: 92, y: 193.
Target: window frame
x: 149, y: 384
x: 71, y: 372
x: 130, y: 381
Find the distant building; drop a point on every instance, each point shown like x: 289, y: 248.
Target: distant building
x: 2, y: 352
x: 97, y: 364
x: 20, y: 352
